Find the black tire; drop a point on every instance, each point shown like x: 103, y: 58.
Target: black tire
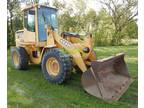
x: 22, y: 56
x: 64, y: 64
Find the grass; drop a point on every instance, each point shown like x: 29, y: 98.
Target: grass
x: 29, y: 89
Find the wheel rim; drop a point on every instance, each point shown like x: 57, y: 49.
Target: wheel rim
x: 52, y: 66
x: 15, y: 59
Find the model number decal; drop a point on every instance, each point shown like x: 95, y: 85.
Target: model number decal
x: 66, y: 43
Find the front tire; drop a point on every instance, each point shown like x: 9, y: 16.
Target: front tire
x: 56, y: 66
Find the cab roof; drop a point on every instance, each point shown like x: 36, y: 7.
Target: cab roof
x: 34, y: 5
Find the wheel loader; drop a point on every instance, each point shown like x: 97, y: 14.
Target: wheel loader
x: 40, y: 43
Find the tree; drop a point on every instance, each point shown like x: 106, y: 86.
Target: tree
x: 66, y: 21
x: 90, y: 21
x: 58, y: 4
x: 131, y: 30
x: 14, y: 19
x: 80, y: 6
x: 122, y: 13
x: 104, y: 29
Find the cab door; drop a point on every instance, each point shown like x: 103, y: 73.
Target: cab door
x: 29, y: 26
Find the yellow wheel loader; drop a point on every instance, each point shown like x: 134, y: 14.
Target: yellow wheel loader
x: 39, y: 43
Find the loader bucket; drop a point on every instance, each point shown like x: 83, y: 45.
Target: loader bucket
x: 107, y: 79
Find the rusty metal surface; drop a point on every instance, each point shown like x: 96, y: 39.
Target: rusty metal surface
x: 107, y: 79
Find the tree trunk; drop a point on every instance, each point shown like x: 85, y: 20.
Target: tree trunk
x: 11, y: 26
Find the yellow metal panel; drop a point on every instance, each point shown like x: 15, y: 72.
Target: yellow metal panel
x: 36, y: 23
x: 41, y: 44
x: 50, y: 40
x: 29, y: 49
x: 29, y: 36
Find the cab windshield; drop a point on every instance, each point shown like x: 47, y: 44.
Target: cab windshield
x: 49, y: 17
x: 46, y: 16
x: 51, y: 20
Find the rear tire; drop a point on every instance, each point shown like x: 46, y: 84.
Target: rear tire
x: 20, y: 58
x: 62, y: 70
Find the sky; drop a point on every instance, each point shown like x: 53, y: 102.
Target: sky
x: 94, y: 4
x: 90, y: 3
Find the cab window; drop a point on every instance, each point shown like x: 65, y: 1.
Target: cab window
x: 29, y: 20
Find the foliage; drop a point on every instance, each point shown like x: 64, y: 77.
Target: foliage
x: 14, y: 20
x: 66, y: 21
x: 113, y: 23
x: 131, y: 30
x: 122, y: 13
x: 58, y: 4
x: 104, y: 30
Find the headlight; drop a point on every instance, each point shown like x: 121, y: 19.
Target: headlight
x: 86, y: 49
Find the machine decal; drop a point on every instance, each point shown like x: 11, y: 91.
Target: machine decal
x: 66, y: 43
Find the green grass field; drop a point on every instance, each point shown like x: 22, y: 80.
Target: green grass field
x: 29, y: 89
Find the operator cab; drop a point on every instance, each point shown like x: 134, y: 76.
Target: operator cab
x: 46, y: 16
